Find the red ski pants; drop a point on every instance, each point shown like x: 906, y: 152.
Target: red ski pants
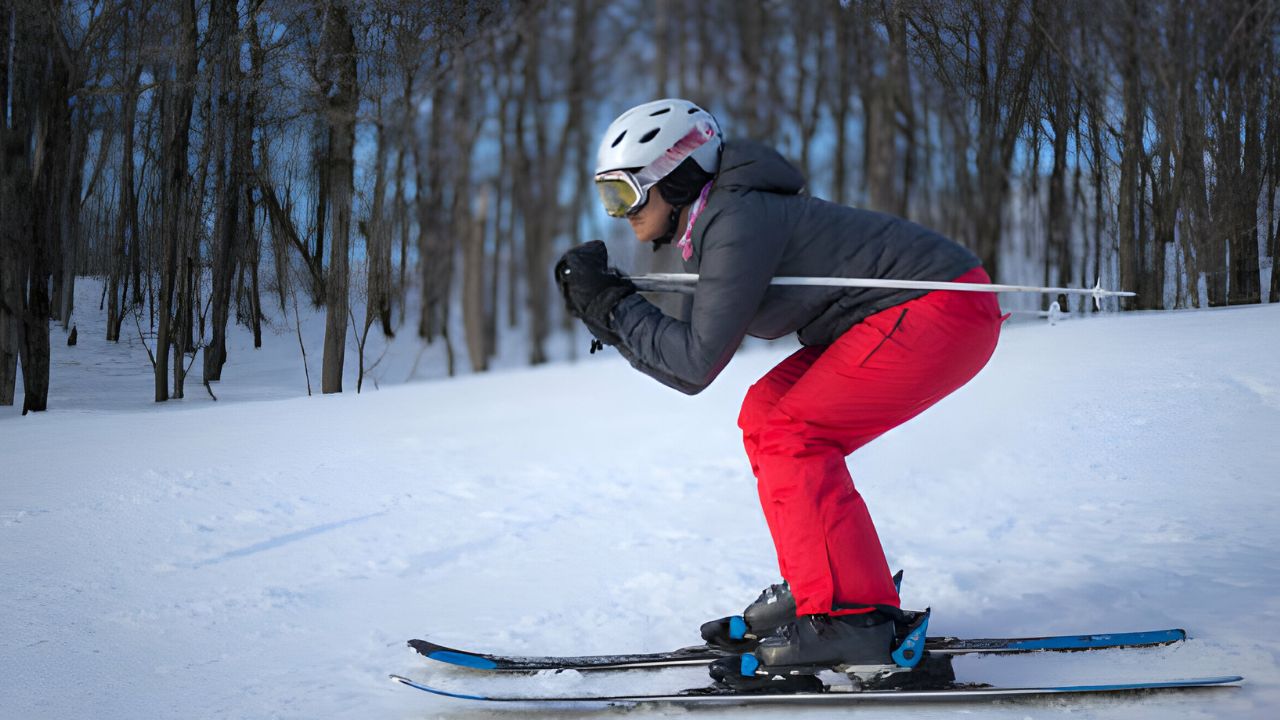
x: 822, y: 403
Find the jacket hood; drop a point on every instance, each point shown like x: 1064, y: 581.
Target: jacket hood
x: 748, y: 164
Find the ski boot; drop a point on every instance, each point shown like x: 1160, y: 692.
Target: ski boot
x: 878, y: 650
x: 741, y: 633
x: 774, y: 608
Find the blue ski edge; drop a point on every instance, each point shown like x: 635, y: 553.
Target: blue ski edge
x: 462, y: 659
x: 1152, y: 637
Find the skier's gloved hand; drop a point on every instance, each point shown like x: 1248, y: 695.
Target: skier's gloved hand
x: 591, y: 288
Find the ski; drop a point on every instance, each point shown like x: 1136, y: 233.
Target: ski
x: 704, y: 654
x: 837, y: 694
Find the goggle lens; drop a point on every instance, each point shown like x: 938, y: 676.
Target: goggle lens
x: 618, y: 196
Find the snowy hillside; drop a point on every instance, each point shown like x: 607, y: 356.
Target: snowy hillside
x: 269, y: 559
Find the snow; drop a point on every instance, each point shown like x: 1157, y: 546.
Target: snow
x: 261, y: 558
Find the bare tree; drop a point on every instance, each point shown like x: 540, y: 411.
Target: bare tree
x: 177, y: 96
x: 81, y: 38
x: 35, y: 140
x: 1132, y: 232
x: 886, y: 99
x: 252, y: 247
x: 377, y: 226
x: 126, y: 243
x: 232, y: 154
x: 52, y: 142
x: 1245, y: 33
x: 808, y: 32
x: 840, y: 95
x: 1056, y: 91
x: 336, y: 70
x: 982, y: 53
x: 14, y: 198
x: 1272, y: 145
x: 476, y: 310
x: 435, y: 248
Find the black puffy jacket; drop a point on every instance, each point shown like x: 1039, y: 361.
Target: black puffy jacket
x: 754, y: 227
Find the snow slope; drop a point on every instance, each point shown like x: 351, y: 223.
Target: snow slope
x: 268, y: 559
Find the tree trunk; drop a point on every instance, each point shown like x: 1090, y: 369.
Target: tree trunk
x: 1245, y: 287
x: 15, y: 207
x: 1059, y: 224
x: 49, y: 92
x: 177, y: 95
x: 35, y: 139
x: 502, y: 231
x: 378, y: 241
x: 1273, y: 222
x: 1130, y: 233
x: 1272, y: 143
x: 475, y: 310
x: 341, y: 101
x: 252, y: 244
x: 402, y: 222
x: 323, y: 153
x: 468, y: 222
x: 883, y: 96
x: 841, y: 98
x: 435, y: 242
x: 229, y: 137
x: 513, y: 154
x: 809, y: 39
x: 1273, y: 179
x: 12, y: 270
x: 1100, y: 181
x: 35, y: 342
x: 126, y: 217
x: 65, y: 279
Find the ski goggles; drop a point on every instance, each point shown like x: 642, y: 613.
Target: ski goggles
x: 623, y: 192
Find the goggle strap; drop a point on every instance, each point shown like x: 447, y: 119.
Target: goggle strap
x: 698, y: 135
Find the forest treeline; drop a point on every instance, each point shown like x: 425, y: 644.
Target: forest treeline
x: 210, y: 159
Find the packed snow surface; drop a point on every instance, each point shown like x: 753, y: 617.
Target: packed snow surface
x: 269, y: 558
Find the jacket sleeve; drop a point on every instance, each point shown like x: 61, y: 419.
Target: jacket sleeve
x: 740, y: 250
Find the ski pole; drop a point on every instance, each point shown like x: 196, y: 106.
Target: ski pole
x: 687, y: 283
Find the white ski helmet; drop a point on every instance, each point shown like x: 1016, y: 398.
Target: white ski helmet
x: 645, y: 133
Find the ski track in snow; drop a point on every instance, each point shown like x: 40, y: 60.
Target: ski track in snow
x: 269, y: 559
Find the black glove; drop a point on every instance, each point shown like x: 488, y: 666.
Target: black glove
x: 591, y: 288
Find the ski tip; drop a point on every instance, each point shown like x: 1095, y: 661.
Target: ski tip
x: 1204, y: 682
x: 1165, y: 637
x: 443, y: 654
x: 1149, y: 637
x: 435, y: 691
x: 424, y: 646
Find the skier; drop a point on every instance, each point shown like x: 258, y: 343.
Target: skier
x: 871, y: 358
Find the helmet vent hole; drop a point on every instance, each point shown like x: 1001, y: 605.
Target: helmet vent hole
x: 649, y: 135
x: 656, y: 113
x: 619, y: 138
x: 692, y: 110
